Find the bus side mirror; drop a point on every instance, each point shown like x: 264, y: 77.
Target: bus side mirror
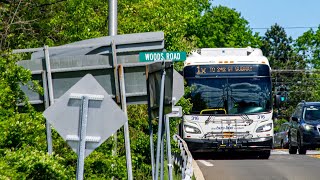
x: 294, y: 119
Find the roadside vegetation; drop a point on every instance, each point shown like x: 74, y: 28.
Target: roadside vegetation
x: 187, y: 24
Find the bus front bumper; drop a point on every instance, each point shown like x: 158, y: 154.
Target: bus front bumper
x: 208, y: 145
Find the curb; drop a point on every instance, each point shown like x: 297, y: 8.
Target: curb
x: 196, y: 171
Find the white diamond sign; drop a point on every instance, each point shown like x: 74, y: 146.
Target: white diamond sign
x: 104, y: 116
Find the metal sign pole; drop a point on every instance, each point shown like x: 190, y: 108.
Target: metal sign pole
x: 46, y: 105
x: 113, y: 29
x: 113, y: 17
x: 51, y: 97
x: 126, y: 126
x: 115, y: 72
x: 82, y: 129
x: 150, y: 127
x: 168, y: 146
x: 160, y: 122
x: 82, y: 134
x: 162, y: 152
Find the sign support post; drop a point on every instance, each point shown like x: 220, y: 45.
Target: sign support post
x: 82, y: 129
x: 160, y: 122
x: 83, y: 135
x: 83, y: 132
x: 162, y: 150
x: 168, y: 147
x: 150, y: 128
x: 126, y: 125
x: 176, y: 112
x: 51, y: 97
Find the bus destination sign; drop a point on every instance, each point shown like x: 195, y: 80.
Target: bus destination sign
x: 209, y: 69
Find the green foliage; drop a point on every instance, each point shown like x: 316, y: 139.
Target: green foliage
x: 78, y: 20
x: 278, y: 123
x: 223, y: 27
x: 282, y: 55
x: 309, y: 46
x: 278, y: 48
x: 7, y: 172
x: 187, y: 24
x: 11, y: 76
x: 32, y: 23
x: 17, y: 129
x: 172, y: 17
x: 101, y: 165
x: 21, y: 129
x: 30, y: 163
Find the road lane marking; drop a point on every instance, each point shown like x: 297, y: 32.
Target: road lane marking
x: 312, y: 153
x: 206, y: 163
x: 279, y: 152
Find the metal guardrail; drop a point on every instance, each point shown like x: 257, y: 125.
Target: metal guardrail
x: 184, y: 159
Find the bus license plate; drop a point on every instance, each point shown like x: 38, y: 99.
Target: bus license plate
x: 228, y: 134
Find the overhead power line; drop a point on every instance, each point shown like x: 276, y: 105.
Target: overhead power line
x: 293, y: 27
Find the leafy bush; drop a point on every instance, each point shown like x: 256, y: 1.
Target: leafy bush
x: 277, y: 124
x: 30, y: 163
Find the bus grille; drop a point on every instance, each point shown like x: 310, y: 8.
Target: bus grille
x: 227, y: 135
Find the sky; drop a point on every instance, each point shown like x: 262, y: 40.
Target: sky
x: 286, y: 13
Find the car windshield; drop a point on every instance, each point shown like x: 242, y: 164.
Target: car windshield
x: 312, y: 113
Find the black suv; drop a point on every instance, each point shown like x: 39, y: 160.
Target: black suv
x: 304, y: 133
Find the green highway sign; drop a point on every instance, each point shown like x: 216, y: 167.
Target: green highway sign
x: 162, y: 56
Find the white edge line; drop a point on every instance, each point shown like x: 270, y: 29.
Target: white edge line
x: 206, y: 163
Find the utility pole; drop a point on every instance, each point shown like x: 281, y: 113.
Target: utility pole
x: 113, y: 29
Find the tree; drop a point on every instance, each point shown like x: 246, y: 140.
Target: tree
x: 171, y: 16
x: 223, y: 27
x: 278, y: 48
x: 308, y: 46
x: 285, y: 59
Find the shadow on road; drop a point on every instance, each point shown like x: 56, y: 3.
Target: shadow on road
x: 230, y: 155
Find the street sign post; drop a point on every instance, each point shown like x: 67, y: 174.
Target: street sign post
x: 165, y: 88
x: 162, y: 56
x: 98, y: 118
x: 177, y: 93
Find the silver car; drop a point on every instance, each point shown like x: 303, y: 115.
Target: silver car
x: 281, y: 139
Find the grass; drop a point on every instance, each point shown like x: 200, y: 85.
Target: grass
x: 176, y: 173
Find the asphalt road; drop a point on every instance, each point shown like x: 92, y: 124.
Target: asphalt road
x: 280, y: 166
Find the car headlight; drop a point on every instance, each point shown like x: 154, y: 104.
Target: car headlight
x: 264, y: 128
x: 307, y: 127
x: 191, y: 129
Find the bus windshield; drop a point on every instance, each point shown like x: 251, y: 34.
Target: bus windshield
x: 241, y: 95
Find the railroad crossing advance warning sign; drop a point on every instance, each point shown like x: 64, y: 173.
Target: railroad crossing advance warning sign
x: 104, y: 117
x: 162, y: 56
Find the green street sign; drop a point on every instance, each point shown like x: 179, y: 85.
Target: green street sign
x: 162, y: 56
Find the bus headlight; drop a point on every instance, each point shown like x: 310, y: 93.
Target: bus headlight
x: 191, y: 129
x: 264, y: 128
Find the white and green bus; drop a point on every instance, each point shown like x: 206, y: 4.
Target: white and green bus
x: 231, y: 95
